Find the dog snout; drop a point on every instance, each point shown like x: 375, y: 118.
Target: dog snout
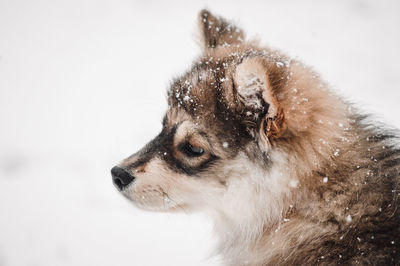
x: 121, y: 177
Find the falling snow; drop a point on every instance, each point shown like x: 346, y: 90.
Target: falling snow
x: 336, y: 153
x: 85, y: 217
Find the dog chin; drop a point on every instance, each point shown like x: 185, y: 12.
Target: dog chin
x: 158, y: 208
x: 154, y: 204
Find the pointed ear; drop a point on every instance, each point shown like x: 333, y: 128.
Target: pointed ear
x: 260, y: 110
x: 216, y: 31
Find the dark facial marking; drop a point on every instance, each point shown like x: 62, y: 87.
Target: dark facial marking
x: 162, y: 147
x: 186, y: 151
x: 165, y: 121
x: 161, y: 144
x: 190, y: 170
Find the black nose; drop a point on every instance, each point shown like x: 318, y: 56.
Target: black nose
x: 121, y: 177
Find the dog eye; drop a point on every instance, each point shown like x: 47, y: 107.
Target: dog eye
x: 192, y: 151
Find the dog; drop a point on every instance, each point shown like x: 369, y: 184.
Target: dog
x: 289, y: 172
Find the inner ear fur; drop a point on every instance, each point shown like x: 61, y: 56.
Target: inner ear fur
x: 257, y: 101
x: 216, y: 31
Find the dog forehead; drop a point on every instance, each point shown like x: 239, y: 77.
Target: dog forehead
x: 195, y: 92
x: 206, y: 93
x: 176, y: 115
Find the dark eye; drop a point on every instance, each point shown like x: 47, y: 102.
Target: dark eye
x: 192, y: 151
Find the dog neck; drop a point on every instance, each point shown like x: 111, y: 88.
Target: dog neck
x: 254, y: 205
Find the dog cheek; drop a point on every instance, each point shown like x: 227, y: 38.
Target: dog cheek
x: 203, y: 192
x: 160, y: 187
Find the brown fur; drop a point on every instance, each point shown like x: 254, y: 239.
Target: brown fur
x: 290, y: 173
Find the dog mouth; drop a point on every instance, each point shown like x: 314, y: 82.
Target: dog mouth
x: 151, y: 199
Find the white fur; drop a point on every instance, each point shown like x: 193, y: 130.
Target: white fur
x: 255, y: 197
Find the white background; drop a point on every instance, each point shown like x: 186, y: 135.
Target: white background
x: 82, y: 85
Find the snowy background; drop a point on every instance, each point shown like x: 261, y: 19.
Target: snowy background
x: 82, y: 85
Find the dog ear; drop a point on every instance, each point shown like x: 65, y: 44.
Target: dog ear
x: 216, y: 31
x: 258, y: 106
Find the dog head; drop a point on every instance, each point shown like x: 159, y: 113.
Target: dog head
x: 228, y: 120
